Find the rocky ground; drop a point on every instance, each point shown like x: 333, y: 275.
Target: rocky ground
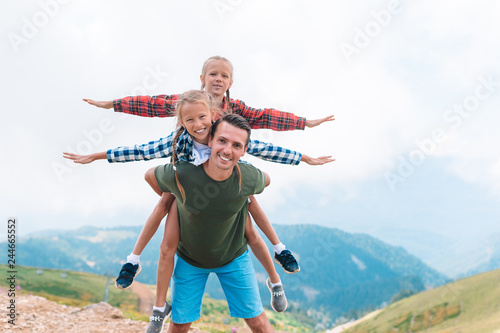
x: 37, y: 314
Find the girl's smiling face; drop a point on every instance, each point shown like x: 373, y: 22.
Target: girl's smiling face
x: 197, y: 119
x: 217, y: 77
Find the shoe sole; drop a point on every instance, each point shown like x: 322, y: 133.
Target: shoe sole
x: 287, y: 272
x: 137, y: 273
x: 167, y: 317
x: 271, y: 291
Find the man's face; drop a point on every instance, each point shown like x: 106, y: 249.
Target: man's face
x: 228, y: 146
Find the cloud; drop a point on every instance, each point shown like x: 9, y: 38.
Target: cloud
x: 392, y: 94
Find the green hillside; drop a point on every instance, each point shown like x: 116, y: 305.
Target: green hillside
x: 80, y: 289
x: 468, y: 305
x: 72, y: 288
x: 341, y: 273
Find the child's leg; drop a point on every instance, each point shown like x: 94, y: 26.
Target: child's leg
x: 132, y: 267
x: 260, y: 250
x: 282, y: 256
x: 153, y: 222
x: 262, y: 221
x: 168, y: 248
x: 159, y: 212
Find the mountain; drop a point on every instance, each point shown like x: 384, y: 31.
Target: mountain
x: 468, y: 305
x: 432, y: 248
x: 482, y: 257
x: 455, y: 258
x: 339, y: 271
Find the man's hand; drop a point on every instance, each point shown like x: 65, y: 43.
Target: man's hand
x: 316, y: 161
x: 104, y: 105
x: 316, y: 122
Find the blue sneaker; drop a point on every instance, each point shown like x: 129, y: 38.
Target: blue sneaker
x: 286, y: 260
x: 127, y: 274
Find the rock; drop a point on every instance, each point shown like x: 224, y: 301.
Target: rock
x: 105, y: 310
x: 37, y: 314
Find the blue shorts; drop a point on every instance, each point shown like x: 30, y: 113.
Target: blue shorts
x: 236, y: 278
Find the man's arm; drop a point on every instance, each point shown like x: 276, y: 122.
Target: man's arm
x: 268, y: 179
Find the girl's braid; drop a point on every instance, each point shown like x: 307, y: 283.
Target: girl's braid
x: 228, y: 101
x: 174, y: 159
x: 239, y: 175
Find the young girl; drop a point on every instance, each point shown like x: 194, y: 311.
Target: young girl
x: 194, y: 115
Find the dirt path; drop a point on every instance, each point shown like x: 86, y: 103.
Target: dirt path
x: 345, y: 326
x: 146, y: 297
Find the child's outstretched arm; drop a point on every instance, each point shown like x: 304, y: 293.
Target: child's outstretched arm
x: 100, y: 104
x: 316, y: 160
x: 155, y: 149
x: 274, y: 119
x: 144, y: 106
x: 272, y: 153
x: 316, y: 122
x: 85, y: 159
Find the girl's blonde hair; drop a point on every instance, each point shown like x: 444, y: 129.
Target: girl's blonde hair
x: 189, y: 97
x: 204, y: 71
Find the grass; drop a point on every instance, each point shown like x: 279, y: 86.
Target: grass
x: 70, y: 288
x: 468, y: 305
x: 80, y: 289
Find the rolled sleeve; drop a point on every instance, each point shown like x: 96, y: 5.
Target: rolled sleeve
x: 164, y: 177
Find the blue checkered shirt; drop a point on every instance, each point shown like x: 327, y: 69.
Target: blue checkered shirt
x: 184, y: 149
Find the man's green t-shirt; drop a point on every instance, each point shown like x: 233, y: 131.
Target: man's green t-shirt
x: 212, y: 219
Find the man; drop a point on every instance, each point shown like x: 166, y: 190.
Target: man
x: 212, y: 202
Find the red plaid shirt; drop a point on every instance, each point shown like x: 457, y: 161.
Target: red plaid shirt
x: 163, y: 106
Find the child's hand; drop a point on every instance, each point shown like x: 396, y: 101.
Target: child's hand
x: 82, y: 159
x: 316, y: 122
x: 104, y: 105
x: 316, y: 161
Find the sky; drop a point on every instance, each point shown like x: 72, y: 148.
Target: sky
x: 414, y: 87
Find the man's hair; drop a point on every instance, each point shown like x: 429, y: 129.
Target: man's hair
x: 235, y: 120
